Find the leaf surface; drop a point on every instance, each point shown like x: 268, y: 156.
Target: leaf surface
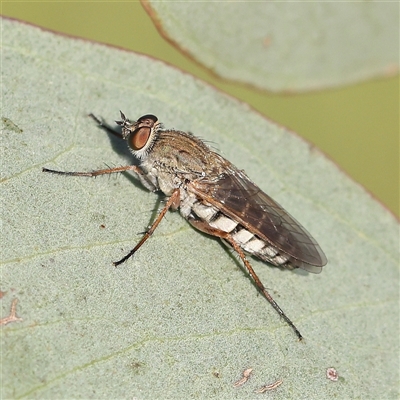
x: 285, y: 46
x: 181, y: 319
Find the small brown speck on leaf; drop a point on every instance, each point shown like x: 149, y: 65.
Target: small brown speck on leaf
x: 244, y: 379
x: 12, y: 317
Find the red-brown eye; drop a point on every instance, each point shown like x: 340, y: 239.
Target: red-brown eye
x: 139, y: 138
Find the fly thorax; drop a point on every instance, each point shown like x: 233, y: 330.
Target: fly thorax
x: 164, y: 179
x: 167, y: 182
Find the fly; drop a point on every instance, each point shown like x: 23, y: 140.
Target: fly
x: 215, y: 197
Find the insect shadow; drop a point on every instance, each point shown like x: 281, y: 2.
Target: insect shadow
x: 119, y: 145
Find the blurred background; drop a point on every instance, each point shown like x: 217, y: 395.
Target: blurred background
x: 356, y: 126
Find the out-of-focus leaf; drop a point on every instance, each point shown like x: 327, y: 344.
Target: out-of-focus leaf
x: 285, y: 46
x: 181, y: 319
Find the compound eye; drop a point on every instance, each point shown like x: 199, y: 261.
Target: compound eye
x: 138, y: 139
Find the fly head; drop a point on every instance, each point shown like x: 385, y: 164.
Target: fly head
x: 141, y: 134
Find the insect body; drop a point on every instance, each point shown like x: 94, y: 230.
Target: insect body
x: 215, y: 197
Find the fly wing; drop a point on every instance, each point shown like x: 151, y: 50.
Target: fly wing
x: 239, y: 198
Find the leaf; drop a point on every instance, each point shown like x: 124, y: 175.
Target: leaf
x: 284, y: 46
x: 182, y: 319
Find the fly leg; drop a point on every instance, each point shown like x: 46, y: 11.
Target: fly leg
x: 204, y: 227
x: 144, y: 179
x: 98, y: 172
x: 173, y: 202
x: 105, y: 126
x: 101, y: 171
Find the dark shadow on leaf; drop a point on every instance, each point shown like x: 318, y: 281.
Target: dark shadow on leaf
x: 120, y: 146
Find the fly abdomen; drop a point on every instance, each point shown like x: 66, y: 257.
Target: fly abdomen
x: 203, y: 211
x: 249, y: 242
x: 223, y: 223
x: 253, y: 245
x: 242, y: 236
x: 213, y: 217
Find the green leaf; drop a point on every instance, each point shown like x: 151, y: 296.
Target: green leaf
x: 182, y: 319
x: 284, y: 46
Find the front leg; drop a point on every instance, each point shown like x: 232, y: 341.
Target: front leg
x: 144, y: 179
x: 98, y: 172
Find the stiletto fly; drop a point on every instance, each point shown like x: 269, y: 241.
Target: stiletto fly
x: 215, y: 197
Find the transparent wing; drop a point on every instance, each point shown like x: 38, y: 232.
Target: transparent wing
x: 239, y: 198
